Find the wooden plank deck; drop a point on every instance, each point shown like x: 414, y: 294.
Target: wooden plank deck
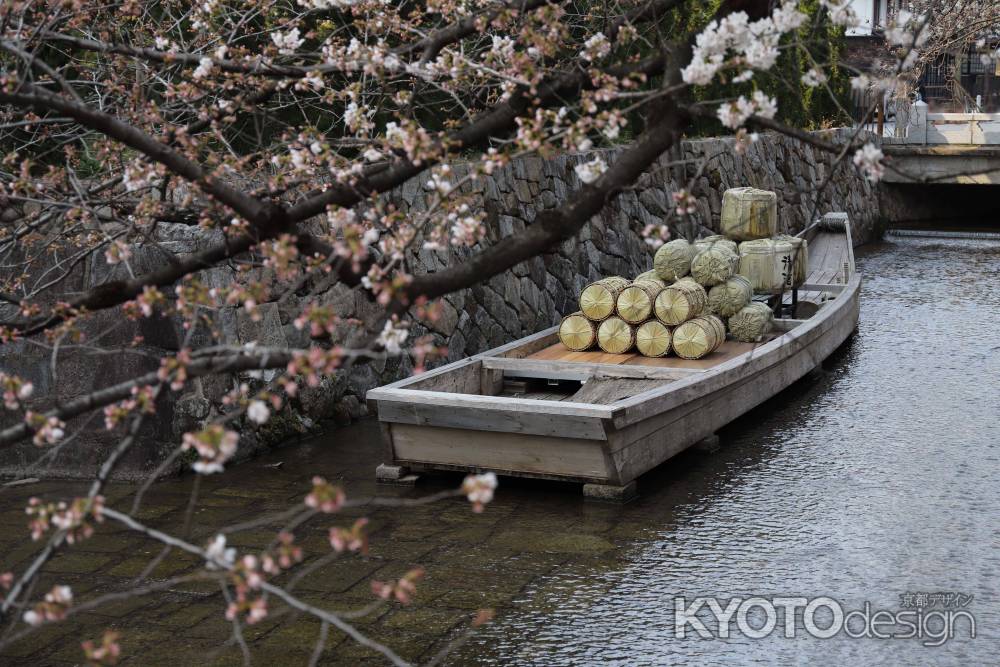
x: 727, y: 351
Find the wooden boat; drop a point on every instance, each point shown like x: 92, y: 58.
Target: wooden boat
x: 533, y: 408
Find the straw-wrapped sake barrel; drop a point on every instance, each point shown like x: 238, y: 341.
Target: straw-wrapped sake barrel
x: 749, y: 213
x: 716, y: 240
x: 726, y: 299
x: 752, y: 323
x: 635, y: 303
x: 714, y: 265
x: 652, y: 339
x: 682, y: 301
x: 673, y: 260
x: 615, y: 335
x: 767, y: 263
x: 800, y: 257
x: 696, y: 338
x: 597, y: 300
x: 720, y: 328
x: 652, y: 277
x: 577, y: 332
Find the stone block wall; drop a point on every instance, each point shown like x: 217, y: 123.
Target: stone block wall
x: 532, y: 296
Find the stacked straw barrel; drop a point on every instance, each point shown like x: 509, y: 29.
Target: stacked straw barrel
x: 597, y: 300
x: 682, y: 304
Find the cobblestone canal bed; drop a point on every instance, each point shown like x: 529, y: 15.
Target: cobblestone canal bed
x: 876, y: 476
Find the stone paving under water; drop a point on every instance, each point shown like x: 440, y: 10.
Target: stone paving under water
x: 472, y: 561
x: 874, y: 476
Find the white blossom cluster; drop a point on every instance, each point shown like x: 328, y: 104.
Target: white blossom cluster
x: 735, y: 41
x: 841, y: 13
x: 393, y: 336
x: 588, y: 172
x: 907, y: 32
x: 258, y: 412
x: 327, y: 4
x: 869, y: 160
x: 218, y: 555
x: 503, y: 48
x: 596, y: 47
x: 373, y: 59
x: 814, y: 77
x: 734, y: 114
x: 205, y: 67
x: 138, y: 175
x: 287, y: 42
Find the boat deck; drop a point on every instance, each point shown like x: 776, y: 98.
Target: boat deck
x: 727, y: 351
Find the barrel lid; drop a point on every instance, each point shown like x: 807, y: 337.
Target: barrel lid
x: 765, y: 246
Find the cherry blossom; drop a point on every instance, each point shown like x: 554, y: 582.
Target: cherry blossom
x: 479, y: 489
x: 590, y: 171
x: 48, y: 430
x: 57, y: 602
x: 869, y: 160
x: 285, y: 555
x: 596, y: 47
x: 107, y: 653
x: 350, y: 539
x: 685, y: 202
x: 841, y: 13
x: 117, y: 251
x: 814, y: 77
x: 258, y: 412
x: 214, y: 445
x: 655, y: 235
x: 734, y: 114
x: 73, y: 519
x: 325, y: 497
x: 16, y: 390
x: 204, y: 69
x: 393, y: 336
x: 402, y: 589
x: 218, y: 555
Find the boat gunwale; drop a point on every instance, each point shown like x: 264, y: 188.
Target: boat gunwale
x: 480, y: 402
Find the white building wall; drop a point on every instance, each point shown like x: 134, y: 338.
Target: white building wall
x: 865, y: 9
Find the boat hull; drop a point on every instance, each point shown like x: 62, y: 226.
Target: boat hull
x: 455, y: 418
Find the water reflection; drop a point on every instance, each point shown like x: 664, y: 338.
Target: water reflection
x: 876, y: 475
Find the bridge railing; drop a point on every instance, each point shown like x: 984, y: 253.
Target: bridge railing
x: 923, y: 128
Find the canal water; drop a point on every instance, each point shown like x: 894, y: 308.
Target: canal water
x: 874, y: 478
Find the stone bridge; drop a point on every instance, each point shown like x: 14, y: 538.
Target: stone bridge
x: 945, y: 148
